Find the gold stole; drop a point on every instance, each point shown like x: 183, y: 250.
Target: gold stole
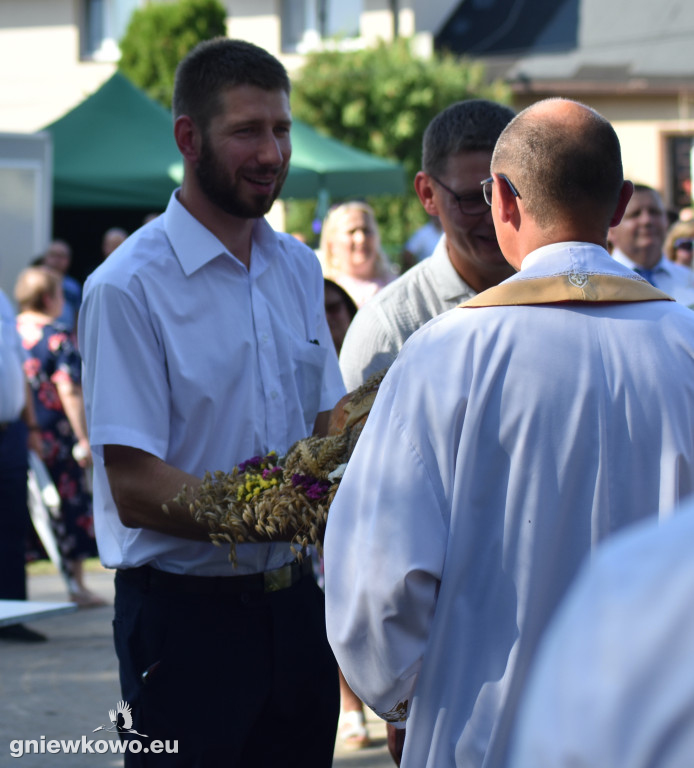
x: 571, y: 286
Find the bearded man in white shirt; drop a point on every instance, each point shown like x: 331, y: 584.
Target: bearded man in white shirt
x: 508, y: 438
x: 205, y: 343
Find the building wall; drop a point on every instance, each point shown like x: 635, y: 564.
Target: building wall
x: 41, y: 75
x: 257, y: 21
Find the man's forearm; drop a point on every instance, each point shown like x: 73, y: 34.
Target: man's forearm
x: 141, y: 484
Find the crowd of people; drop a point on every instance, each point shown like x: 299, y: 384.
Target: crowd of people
x: 539, y: 399
x: 43, y: 342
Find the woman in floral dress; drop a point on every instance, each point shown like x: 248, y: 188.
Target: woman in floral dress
x: 53, y: 368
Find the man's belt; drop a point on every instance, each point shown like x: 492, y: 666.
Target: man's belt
x: 154, y: 580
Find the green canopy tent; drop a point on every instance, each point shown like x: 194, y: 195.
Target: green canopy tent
x: 324, y: 166
x: 116, y: 150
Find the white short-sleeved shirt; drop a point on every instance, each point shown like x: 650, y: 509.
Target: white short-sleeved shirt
x: 613, y: 682
x: 191, y: 357
x: 12, y: 386
x: 386, y: 321
x: 504, y: 443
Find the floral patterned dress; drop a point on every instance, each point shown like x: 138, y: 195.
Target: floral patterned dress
x: 51, y: 357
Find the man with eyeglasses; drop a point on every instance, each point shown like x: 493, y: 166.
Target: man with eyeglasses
x: 638, y: 244
x: 510, y: 436
x: 456, y: 152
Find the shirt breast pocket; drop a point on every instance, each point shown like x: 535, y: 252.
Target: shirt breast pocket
x: 309, y: 363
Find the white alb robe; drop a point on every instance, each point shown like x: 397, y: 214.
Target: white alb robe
x: 613, y: 680
x: 505, y: 442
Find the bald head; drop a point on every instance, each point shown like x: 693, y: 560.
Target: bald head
x: 565, y: 161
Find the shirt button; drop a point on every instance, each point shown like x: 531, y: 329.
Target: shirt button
x: 274, y: 395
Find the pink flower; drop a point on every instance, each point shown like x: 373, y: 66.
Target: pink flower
x: 61, y: 376
x: 48, y: 396
x: 32, y: 367
x: 56, y: 340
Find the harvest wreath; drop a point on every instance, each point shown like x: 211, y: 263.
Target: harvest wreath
x: 267, y: 498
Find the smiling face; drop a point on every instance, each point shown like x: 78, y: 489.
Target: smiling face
x: 641, y: 233
x: 354, y: 244
x: 471, y: 239
x: 245, y: 151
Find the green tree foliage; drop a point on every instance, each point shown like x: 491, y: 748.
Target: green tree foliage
x: 159, y: 35
x: 380, y: 100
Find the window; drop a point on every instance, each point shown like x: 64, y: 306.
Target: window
x: 297, y: 24
x: 94, y: 27
x: 103, y: 24
x: 305, y: 23
x: 680, y: 170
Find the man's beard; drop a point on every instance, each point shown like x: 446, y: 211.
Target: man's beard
x: 221, y: 191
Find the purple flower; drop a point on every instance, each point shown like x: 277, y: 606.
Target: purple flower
x: 255, y: 461
x: 313, y: 488
x: 317, y: 490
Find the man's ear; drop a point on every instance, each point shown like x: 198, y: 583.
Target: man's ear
x: 187, y: 138
x: 625, y: 194
x: 503, y: 199
x: 424, y: 187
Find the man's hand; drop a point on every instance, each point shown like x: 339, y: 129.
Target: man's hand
x: 396, y: 742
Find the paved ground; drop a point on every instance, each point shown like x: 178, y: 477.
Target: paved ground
x: 63, y: 689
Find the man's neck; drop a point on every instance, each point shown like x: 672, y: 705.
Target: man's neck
x: 233, y: 232
x: 479, y: 279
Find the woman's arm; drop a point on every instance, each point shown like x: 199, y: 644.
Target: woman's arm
x: 71, y: 399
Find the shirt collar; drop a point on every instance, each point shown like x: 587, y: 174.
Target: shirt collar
x: 622, y: 258
x: 450, y: 285
x: 195, y: 246
x: 569, y: 256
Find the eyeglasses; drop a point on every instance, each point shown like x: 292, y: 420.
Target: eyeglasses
x: 487, y: 187
x: 684, y: 243
x: 471, y: 204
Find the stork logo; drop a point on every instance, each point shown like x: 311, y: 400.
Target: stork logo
x: 121, y: 720
x: 121, y: 723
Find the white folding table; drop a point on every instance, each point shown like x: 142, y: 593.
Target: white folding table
x: 17, y: 611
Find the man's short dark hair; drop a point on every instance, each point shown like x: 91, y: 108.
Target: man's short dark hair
x: 215, y: 65
x: 466, y: 126
x: 562, y: 171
